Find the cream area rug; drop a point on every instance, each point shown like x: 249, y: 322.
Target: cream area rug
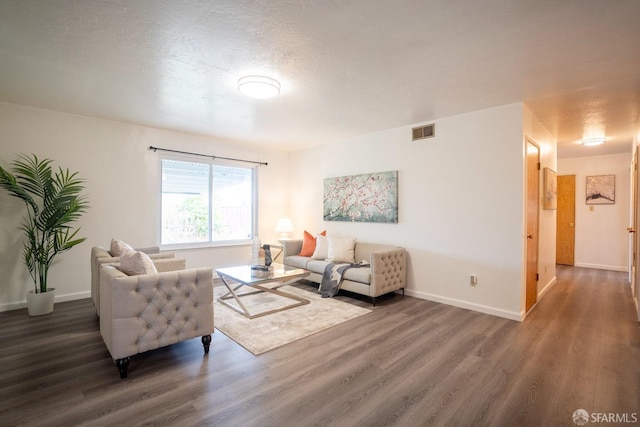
x: 265, y: 333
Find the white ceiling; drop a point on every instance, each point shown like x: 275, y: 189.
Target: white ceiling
x: 346, y: 68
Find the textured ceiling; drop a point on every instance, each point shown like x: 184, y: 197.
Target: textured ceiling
x: 346, y: 68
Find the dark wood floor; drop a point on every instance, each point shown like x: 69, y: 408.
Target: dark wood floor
x: 408, y: 363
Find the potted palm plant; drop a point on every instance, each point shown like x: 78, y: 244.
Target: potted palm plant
x: 54, y: 201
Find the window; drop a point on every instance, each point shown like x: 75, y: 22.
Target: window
x: 204, y: 202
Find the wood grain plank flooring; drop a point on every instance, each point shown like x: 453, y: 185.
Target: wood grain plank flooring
x: 409, y: 362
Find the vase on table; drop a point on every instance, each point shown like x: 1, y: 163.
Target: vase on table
x: 267, y: 255
x: 255, y: 250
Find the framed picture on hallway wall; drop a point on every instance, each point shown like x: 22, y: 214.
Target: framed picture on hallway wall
x: 550, y: 189
x: 601, y: 190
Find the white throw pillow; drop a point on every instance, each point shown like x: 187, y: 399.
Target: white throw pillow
x: 341, y: 249
x: 322, y: 248
x: 118, y: 247
x: 134, y: 263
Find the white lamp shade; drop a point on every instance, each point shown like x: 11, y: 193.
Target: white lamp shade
x: 284, y: 227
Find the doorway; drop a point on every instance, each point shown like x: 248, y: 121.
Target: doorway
x: 532, y: 212
x: 633, y: 235
x: 566, y: 220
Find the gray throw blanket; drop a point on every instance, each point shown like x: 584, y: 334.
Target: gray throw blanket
x: 332, y: 278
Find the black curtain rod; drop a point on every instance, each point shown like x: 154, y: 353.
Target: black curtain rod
x: 212, y: 157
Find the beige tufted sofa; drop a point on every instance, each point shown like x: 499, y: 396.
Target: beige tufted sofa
x: 144, y: 312
x: 164, y: 261
x: 387, y: 272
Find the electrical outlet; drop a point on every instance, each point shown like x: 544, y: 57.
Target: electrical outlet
x: 474, y: 280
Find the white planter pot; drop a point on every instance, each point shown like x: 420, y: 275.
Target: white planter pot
x: 40, y: 303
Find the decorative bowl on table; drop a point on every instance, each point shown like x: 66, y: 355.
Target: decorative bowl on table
x: 261, y: 270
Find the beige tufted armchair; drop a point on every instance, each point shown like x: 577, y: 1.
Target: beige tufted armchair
x: 164, y: 261
x: 140, y: 313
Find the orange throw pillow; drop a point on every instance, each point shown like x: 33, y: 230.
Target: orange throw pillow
x: 309, y: 243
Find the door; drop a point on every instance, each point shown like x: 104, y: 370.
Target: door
x: 532, y: 210
x: 566, y: 220
x: 635, y: 281
x: 633, y: 247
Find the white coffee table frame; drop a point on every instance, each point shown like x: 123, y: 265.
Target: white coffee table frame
x: 241, y: 276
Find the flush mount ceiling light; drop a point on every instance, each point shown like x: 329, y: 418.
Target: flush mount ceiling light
x: 259, y: 87
x: 591, y: 142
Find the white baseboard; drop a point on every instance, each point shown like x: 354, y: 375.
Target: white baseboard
x: 541, y: 293
x: 13, y: 306
x: 547, y: 287
x: 511, y: 315
x: 603, y: 267
x: 59, y: 298
x: 74, y: 296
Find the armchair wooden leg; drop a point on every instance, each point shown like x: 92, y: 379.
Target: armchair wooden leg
x: 206, y: 340
x: 123, y: 366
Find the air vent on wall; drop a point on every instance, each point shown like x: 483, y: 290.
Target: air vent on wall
x: 428, y: 131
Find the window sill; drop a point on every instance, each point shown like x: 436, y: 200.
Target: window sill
x: 177, y: 247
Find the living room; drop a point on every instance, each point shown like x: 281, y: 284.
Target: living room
x: 461, y: 197
x: 447, y: 242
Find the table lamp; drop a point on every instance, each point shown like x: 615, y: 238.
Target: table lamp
x: 284, y: 227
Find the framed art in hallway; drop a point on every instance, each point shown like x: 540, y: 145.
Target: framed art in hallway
x: 601, y: 190
x: 550, y: 189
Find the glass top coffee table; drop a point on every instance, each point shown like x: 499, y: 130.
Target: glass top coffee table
x: 235, y: 278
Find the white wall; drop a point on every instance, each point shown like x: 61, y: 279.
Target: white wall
x: 460, y: 199
x: 602, y: 240
x: 460, y: 204
x: 538, y: 134
x: 123, y: 187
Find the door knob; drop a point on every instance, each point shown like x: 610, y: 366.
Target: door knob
x: 571, y: 224
x: 529, y: 236
x: 631, y: 229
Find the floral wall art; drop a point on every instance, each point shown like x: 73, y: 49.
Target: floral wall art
x: 371, y: 197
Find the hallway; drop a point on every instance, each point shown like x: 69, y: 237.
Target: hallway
x: 590, y: 342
